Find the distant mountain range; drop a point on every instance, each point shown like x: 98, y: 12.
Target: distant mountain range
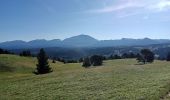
x: 80, y: 41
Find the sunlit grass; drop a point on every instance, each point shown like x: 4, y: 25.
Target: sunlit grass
x: 116, y: 79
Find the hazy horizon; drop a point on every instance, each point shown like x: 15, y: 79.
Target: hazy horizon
x: 78, y: 35
x: 103, y: 20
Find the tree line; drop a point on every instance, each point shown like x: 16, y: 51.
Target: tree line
x: 145, y: 56
x: 3, y: 51
x: 140, y: 56
x: 26, y: 53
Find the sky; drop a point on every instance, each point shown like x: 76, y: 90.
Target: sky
x: 101, y: 19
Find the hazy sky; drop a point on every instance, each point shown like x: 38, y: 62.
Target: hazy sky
x: 102, y: 19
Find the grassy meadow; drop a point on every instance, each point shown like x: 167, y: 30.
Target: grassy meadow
x: 121, y: 79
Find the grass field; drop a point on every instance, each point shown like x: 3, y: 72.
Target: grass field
x: 115, y: 80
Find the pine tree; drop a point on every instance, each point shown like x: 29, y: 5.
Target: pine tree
x: 54, y: 60
x: 43, y: 66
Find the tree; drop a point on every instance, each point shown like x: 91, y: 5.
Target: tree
x: 116, y: 56
x: 146, y: 56
x: 132, y: 55
x: 140, y: 58
x: 54, y: 60
x: 1, y: 51
x: 125, y: 55
x: 111, y: 57
x: 80, y: 60
x: 168, y: 57
x: 96, y: 60
x: 42, y: 66
x: 86, y: 62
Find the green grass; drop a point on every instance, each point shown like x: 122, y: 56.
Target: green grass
x: 115, y: 80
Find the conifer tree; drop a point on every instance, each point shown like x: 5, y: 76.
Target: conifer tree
x: 43, y: 66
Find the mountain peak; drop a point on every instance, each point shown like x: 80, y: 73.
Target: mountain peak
x: 38, y: 40
x: 81, y: 36
x: 147, y: 38
x: 80, y: 40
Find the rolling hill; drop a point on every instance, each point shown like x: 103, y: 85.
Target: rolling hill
x: 115, y: 80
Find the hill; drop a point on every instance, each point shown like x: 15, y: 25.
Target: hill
x: 114, y: 80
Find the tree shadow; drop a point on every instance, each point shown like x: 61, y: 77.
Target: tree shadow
x: 139, y: 64
x: 4, y: 68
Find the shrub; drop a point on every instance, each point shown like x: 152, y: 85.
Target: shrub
x: 86, y: 62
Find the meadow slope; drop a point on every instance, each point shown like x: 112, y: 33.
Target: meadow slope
x: 115, y: 80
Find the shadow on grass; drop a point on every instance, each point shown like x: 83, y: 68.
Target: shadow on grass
x: 36, y: 73
x: 4, y: 68
x: 139, y: 64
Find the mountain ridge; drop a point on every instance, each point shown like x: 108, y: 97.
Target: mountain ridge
x: 79, y: 41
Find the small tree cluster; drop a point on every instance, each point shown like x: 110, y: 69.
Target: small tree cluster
x: 94, y: 60
x: 71, y: 61
x: 114, y: 57
x: 145, y: 56
x: 67, y: 60
x: 60, y: 59
x: 129, y: 55
x: 123, y: 56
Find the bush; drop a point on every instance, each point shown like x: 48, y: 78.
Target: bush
x: 86, y: 62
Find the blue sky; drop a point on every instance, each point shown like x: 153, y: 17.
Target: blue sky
x: 102, y: 19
